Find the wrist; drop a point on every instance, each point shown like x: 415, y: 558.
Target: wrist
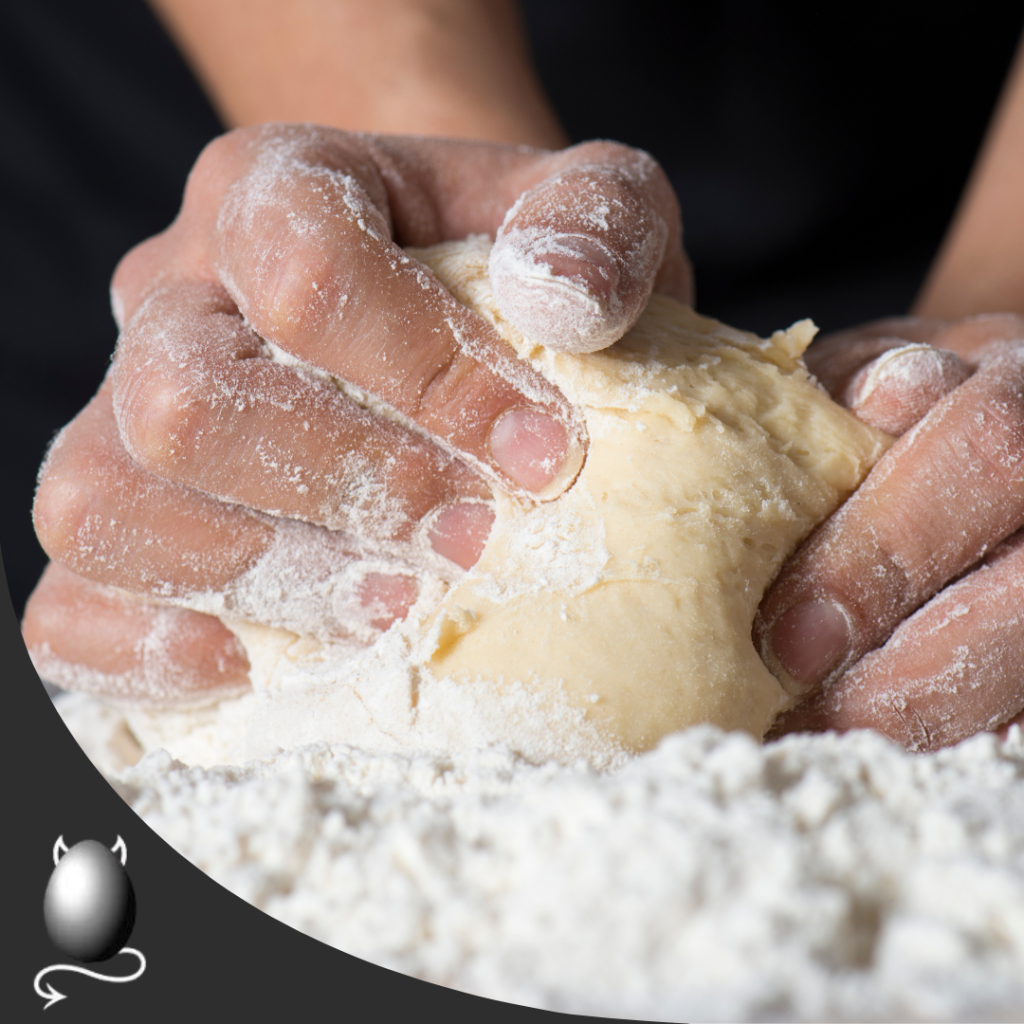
x: 457, y: 68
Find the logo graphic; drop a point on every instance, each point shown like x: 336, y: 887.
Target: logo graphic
x: 89, y: 910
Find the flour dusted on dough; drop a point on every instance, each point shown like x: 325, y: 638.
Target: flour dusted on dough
x: 595, y: 624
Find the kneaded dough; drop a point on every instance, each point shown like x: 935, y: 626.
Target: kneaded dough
x: 597, y: 623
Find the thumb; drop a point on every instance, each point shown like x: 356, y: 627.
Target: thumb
x: 889, y: 373
x: 580, y: 252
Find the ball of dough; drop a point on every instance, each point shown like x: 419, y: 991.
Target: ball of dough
x: 597, y: 623
x: 712, y: 453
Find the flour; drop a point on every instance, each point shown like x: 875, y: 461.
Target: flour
x: 614, y: 251
x: 485, y: 828
x: 815, y: 878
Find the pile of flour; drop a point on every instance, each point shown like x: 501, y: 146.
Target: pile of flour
x: 815, y: 878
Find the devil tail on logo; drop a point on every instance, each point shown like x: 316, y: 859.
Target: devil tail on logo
x: 51, y: 995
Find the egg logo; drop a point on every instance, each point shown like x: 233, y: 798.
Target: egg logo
x: 89, y: 910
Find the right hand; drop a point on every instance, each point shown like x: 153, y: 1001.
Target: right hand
x: 208, y: 475
x: 904, y: 611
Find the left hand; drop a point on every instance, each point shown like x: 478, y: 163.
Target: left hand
x: 904, y: 611
x: 208, y: 475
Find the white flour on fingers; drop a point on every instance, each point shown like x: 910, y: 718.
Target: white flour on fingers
x: 310, y: 581
x: 559, y: 311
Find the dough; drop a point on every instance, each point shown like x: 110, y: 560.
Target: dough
x: 597, y: 623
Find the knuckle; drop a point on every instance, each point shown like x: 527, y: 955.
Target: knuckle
x: 442, y: 383
x: 1009, y: 326
x: 133, y: 273
x: 904, y: 721
x: 295, y: 297
x: 987, y: 332
x: 613, y: 154
x: 281, y: 237
x: 158, y: 418
x: 168, y: 370
x: 215, y: 163
x: 626, y: 172
x: 994, y: 437
x: 63, y: 510
x: 222, y: 147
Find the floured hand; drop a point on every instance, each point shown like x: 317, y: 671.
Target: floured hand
x: 222, y: 469
x: 904, y: 612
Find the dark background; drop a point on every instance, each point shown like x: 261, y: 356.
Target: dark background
x: 818, y: 165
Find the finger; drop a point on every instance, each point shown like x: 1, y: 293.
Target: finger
x: 600, y: 194
x: 946, y: 493
x: 306, y: 254
x: 94, y: 639
x: 581, y: 251
x: 900, y: 387
x: 837, y: 357
x: 977, y: 337
x: 954, y: 668
x: 198, y: 401
x: 889, y: 373
x: 105, y: 518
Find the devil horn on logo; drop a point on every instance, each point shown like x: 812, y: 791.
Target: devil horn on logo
x: 119, y: 845
x: 59, y: 849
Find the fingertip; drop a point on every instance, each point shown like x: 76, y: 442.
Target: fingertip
x: 807, y: 641
x: 93, y: 639
x: 560, y: 291
x: 536, y: 451
x: 899, y: 387
x: 577, y: 256
x: 387, y: 598
x: 460, y: 532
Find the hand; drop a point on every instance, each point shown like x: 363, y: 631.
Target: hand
x: 904, y: 612
x: 213, y: 472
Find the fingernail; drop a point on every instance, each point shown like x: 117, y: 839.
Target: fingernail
x: 460, y: 533
x: 810, y: 639
x: 387, y: 598
x: 559, y: 290
x: 534, y: 450
x: 896, y: 389
x: 580, y: 261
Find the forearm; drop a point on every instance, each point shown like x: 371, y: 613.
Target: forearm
x: 457, y: 68
x: 980, y: 267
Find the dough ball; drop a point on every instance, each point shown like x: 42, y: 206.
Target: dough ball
x: 712, y: 454
x: 596, y: 623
